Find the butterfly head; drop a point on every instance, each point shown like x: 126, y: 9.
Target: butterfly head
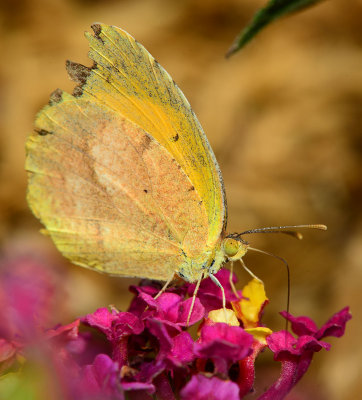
x: 234, y: 247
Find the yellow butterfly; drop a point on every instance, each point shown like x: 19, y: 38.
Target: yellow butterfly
x: 121, y: 173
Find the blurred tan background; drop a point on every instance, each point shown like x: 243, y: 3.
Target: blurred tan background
x: 283, y: 117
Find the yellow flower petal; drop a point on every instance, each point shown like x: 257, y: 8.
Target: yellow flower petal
x: 249, y: 307
x: 219, y: 316
x: 260, y: 334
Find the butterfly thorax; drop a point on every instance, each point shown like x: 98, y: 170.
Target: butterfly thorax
x: 231, y: 248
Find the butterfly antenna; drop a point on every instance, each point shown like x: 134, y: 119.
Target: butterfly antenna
x: 288, y: 279
x: 287, y: 230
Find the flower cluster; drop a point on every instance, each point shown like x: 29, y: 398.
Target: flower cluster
x: 148, y: 351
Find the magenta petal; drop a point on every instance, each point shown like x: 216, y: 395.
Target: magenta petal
x: 117, y: 327
x: 149, y: 300
x: 309, y: 343
x: 126, y: 323
x: 280, y: 341
x: 336, y: 325
x: 101, y: 319
x: 202, y: 388
x: 101, y: 379
x: 138, y: 304
x: 182, y: 351
x: 167, y: 305
x: 101, y: 369
x: 27, y: 296
x: 172, y: 308
x: 163, y: 388
x: 172, y: 327
x: 149, y: 370
x: 65, y: 332
x: 301, y: 325
x: 114, y: 325
x: 197, y: 313
x: 285, y: 346
x: 158, y: 329
x: 223, y: 344
x: 147, y: 288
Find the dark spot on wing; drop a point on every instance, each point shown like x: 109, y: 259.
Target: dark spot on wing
x: 97, y: 29
x: 77, y: 72
x: 145, y: 190
x: 43, y: 132
x: 175, y: 138
x: 77, y: 91
x: 56, y: 97
x: 191, y: 188
x: 170, y: 235
x: 146, y: 141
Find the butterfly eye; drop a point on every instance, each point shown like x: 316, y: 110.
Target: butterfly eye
x: 234, y: 249
x: 231, y: 247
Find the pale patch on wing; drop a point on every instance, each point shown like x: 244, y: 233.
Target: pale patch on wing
x: 110, y: 196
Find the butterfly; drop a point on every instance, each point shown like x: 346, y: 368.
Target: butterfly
x: 122, y: 175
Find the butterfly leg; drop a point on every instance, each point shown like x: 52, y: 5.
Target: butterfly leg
x: 248, y: 270
x: 165, y: 286
x: 231, y: 280
x: 217, y: 283
x: 194, y: 299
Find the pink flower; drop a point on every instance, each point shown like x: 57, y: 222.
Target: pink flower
x: 295, y: 354
x: 224, y: 345
x: 147, y: 351
x: 202, y: 388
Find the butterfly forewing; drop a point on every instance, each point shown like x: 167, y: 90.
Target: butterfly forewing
x: 120, y: 173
